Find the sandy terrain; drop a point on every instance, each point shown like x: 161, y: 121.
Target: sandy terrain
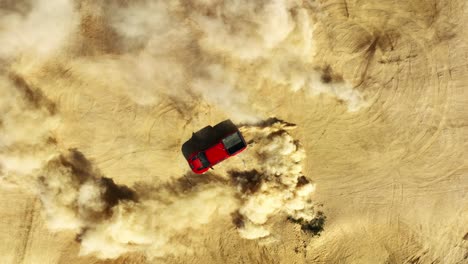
x: 97, y: 98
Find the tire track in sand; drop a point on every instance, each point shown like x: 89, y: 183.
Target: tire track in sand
x: 24, y: 236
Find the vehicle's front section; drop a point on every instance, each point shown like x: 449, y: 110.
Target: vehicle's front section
x: 199, y: 162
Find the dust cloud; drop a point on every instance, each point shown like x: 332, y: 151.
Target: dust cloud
x: 111, y: 220
x: 273, y: 183
x: 96, y: 98
x: 189, y: 52
x: 213, y: 51
x: 34, y: 30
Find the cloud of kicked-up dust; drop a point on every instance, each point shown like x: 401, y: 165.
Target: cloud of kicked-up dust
x: 26, y: 125
x: 191, y: 52
x: 273, y: 41
x: 213, y: 51
x: 30, y: 33
x: 111, y: 220
x: 35, y: 28
x: 273, y: 183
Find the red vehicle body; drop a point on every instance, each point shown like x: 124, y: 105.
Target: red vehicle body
x: 231, y: 145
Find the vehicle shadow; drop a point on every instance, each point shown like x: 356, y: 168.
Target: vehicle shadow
x: 207, y: 136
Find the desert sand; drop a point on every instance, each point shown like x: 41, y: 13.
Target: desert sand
x: 356, y: 110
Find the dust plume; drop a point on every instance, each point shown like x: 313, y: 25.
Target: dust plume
x: 26, y: 128
x: 31, y: 32
x: 35, y: 30
x: 272, y: 39
x: 214, y: 52
x: 198, y: 52
x: 111, y: 220
x: 273, y: 182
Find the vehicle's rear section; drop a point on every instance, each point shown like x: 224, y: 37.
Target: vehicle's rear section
x: 234, y: 143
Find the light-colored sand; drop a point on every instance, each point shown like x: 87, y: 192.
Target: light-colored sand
x: 391, y: 175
